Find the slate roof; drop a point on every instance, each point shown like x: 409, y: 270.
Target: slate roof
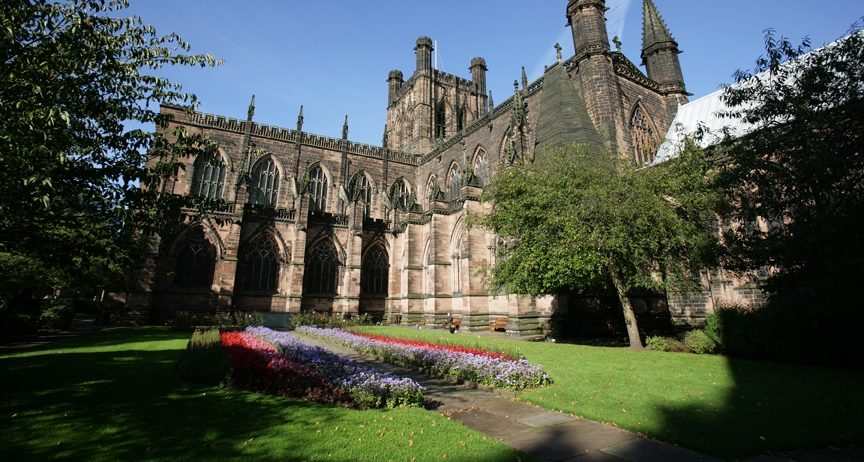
x: 564, y: 118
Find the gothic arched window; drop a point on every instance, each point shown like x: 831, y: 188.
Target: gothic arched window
x: 399, y: 195
x: 432, y: 190
x: 644, y: 138
x: 454, y: 182
x: 196, y: 261
x: 208, y: 180
x: 361, y: 191
x: 321, y: 269
x: 374, y: 272
x: 441, y: 119
x: 317, y: 190
x: 265, y: 181
x: 460, y: 118
x: 260, y: 264
x: 481, y: 169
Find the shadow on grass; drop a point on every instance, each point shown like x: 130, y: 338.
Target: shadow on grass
x: 102, y: 338
x: 126, y: 404
x: 772, y: 407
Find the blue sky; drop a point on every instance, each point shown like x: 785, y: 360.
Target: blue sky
x: 333, y: 56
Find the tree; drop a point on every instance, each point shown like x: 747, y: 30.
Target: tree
x: 74, y: 76
x: 582, y: 220
x: 795, y: 184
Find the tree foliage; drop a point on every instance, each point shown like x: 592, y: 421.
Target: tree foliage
x: 795, y: 189
x: 795, y: 185
x: 580, y: 220
x: 74, y: 77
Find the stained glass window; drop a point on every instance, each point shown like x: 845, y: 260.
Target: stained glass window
x: 317, y: 190
x: 265, y: 177
x: 196, y: 261
x: 374, y: 272
x: 481, y: 169
x: 399, y: 195
x: 361, y: 191
x: 209, y: 176
x: 260, y: 265
x: 644, y: 139
x: 321, y: 270
x: 454, y: 182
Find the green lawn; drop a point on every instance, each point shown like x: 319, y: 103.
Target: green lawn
x: 113, y: 395
x: 723, y: 406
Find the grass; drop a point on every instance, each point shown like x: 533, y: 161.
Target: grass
x: 113, y: 395
x: 722, y: 406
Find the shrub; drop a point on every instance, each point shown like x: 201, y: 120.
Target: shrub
x: 336, y: 320
x: 58, y: 315
x: 736, y: 330
x: 205, y: 359
x: 658, y: 343
x: 188, y: 320
x: 697, y: 341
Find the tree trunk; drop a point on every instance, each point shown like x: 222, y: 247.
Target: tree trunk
x: 629, y: 315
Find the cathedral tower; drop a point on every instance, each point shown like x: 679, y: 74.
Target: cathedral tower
x: 595, y: 71
x: 432, y: 105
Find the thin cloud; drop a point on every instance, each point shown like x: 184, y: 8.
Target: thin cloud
x: 616, y: 20
x: 616, y: 17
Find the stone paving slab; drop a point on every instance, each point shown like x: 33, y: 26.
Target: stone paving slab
x: 595, y: 457
x: 546, y: 419
x: 644, y: 450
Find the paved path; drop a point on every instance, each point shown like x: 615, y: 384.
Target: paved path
x: 551, y: 436
x: 545, y: 435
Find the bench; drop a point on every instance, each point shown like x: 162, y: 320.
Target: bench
x: 457, y: 322
x: 499, y: 324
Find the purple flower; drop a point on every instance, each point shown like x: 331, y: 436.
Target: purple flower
x: 368, y: 386
x: 513, y: 374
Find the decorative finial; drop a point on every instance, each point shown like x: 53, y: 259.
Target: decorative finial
x: 524, y: 78
x: 515, y: 85
x: 617, y: 41
x: 384, y: 140
x: 345, y: 128
x: 300, y: 119
x: 251, y: 112
x: 558, y: 55
x: 491, y: 101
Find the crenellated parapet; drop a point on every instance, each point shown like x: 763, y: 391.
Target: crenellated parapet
x: 205, y: 120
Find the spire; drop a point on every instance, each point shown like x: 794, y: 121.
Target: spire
x: 345, y: 128
x: 300, y: 119
x: 491, y: 102
x: 654, y: 30
x: 524, y: 78
x: 660, y: 51
x: 251, y: 112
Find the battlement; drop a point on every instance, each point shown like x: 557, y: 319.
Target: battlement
x: 218, y: 122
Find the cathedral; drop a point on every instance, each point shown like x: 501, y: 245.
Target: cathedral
x: 311, y: 222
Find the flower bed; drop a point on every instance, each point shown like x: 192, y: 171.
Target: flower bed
x: 499, y: 372
x: 258, y: 366
x: 436, y: 346
x: 367, y: 386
